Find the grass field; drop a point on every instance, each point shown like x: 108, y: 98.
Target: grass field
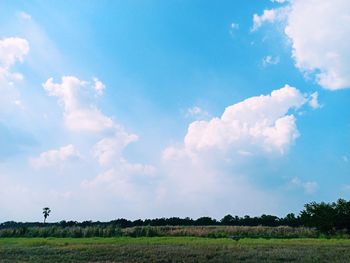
x: 173, y: 249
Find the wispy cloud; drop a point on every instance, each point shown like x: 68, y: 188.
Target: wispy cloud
x: 55, y: 157
x: 270, y: 60
x: 309, y: 187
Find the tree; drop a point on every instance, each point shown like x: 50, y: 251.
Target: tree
x: 227, y: 220
x: 46, y: 212
x: 320, y: 215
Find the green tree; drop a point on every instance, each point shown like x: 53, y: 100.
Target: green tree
x: 46, y: 212
x: 320, y: 215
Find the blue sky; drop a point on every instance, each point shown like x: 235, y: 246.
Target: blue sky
x: 172, y: 108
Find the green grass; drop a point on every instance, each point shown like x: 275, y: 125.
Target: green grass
x: 173, y: 249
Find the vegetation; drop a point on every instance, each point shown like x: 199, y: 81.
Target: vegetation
x: 235, y: 232
x: 173, y: 249
x: 316, y: 219
x: 266, y: 238
x: 327, y: 217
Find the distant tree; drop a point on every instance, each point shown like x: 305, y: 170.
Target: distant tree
x: 342, y: 208
x: 227, y: 220
x: 46, y: 212
x: 290, y: 220
x: 320, y: 215
x: 268, y: 220
x: 205, y: 221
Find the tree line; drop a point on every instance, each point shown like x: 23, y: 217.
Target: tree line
x: 327, y: 218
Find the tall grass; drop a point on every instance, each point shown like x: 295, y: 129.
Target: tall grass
x: 152, y: 231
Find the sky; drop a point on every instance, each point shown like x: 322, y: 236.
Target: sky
x: 144, y: 109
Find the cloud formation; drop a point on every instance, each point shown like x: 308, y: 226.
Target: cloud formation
x: 319, y: 36
x: 12, y: 50
x: 261, y: 123
x: 79, y: 114
x: 309, y: 187
x: 268, y: 16
x: 196, y: 113
x: 210, y: 165
x: 110, y: 148
x: 55, y: 157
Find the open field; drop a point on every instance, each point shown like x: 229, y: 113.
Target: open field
x: 172, y: 249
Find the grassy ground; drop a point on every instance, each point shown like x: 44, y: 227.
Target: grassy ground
x: 172, y: 249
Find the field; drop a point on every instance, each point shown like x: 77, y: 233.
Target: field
x: 173, y: 249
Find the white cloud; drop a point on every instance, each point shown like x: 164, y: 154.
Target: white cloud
x: 309, y: 187
x: 106, y: 141
x: 234, y: 26
x: 110, y: 148
x: 198, y: 184
x: 261, y: 123
x: 269, y: 16
x: 89, y: 120
x: 314, y: 101
x: 23, y: 15
x: 270, y: 60
x: 99, y: 86
x: 55, y: 157
x: 197, y: 113
x: 207, y: 168
x: 319, y: 37
x: 12, y: 50
x: 79, y: 113
x: 123, y: 170
x: 125, y: 180
x: 279, y: 1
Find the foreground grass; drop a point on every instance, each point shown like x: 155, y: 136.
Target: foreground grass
x: 172, y: 249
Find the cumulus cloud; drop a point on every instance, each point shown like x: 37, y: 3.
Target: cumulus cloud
x: 319, y: 38
x: 80, y: 115
x: 261, y: 123
x: 209, y: 166
x: 116, y: 176
x: 55, y: 157
x: 12, y: 50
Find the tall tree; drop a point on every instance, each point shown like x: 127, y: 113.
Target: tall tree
x: 46, y: 212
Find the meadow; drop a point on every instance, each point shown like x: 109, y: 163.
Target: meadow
x: 173, y: 249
